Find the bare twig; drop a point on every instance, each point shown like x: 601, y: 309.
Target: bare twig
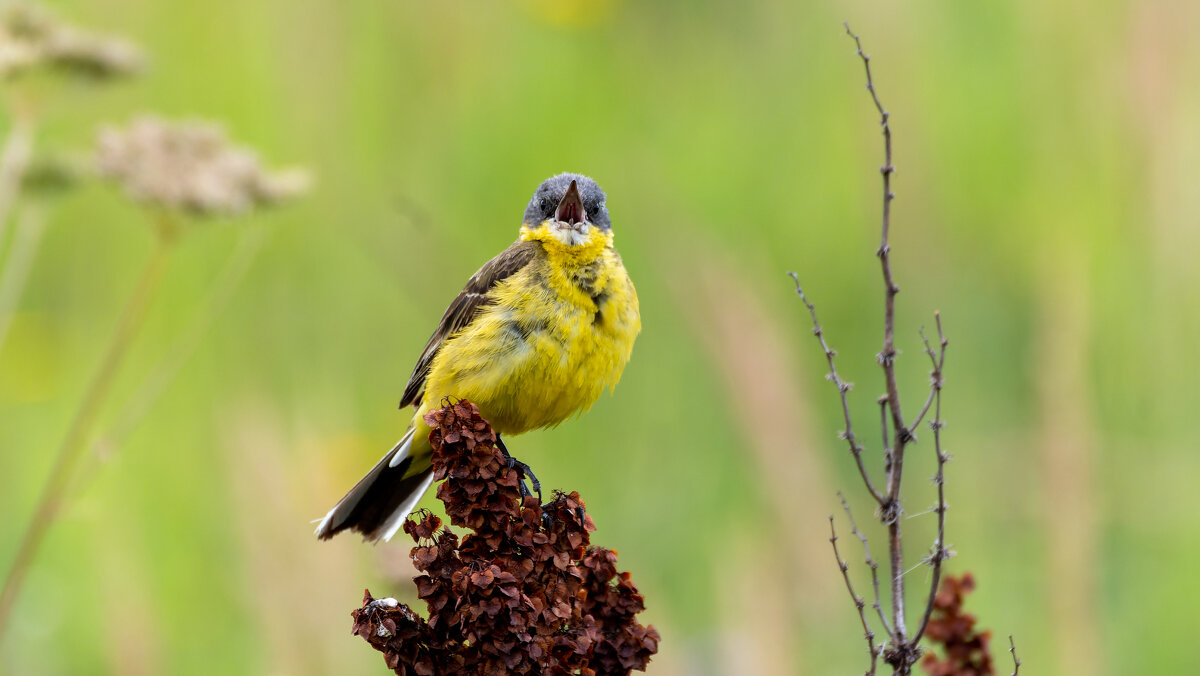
x: 901, y: 650
x: 924, y: 409
x: 883, y: 425
x: 877, y: 605
x: 888, y: 355
x: 843, y: 387
x: 594, y: 628
x: 887, y: 359
x: 1012, y: 648
x: 939, y: 553
x: 858, y: 601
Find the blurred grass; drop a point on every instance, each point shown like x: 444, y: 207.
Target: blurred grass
x: 1038, y: 146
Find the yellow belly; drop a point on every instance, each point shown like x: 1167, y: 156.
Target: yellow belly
x: 545, y: 351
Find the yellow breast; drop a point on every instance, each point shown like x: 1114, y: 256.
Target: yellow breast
x: 559, y: 333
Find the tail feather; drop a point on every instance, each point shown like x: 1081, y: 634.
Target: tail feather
x: 380, y: 501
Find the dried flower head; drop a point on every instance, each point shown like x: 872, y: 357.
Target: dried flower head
x: 31, y: 37
x: 965, y: 648
x: 515, y: 596
x: 191, y: 166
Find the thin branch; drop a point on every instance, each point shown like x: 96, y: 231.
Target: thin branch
x: 888, y: 513
x: 887, y: 358
x: 921, y: 415
x: 858, y: 601
x: 1012, y: 648
x: 883, y: 424
x: 939, y: 550
x: 936, y: 376
x: 843, y: 387
x: 888, y: 355
x: 877, y: 605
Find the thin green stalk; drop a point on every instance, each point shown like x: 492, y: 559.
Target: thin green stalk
x: 182, y: 347
x: 73, y: 446
x: 31, y: 223
x: 14, y: 158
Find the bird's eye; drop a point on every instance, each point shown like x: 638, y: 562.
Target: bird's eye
x: 542, y: 203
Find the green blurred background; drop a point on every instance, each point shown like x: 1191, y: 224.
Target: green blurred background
x: 1047, y: 205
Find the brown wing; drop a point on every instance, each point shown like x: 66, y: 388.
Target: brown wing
x: 464, y: 308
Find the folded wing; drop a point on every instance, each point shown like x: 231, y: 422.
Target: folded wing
x: 473, y: 298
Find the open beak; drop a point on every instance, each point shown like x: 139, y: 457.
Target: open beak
x: 570, y: 209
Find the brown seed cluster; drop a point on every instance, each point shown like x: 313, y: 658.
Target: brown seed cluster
x: 31, y: 37
x: 190, y: 166
x: 523, y: 593
x: 966, y: 650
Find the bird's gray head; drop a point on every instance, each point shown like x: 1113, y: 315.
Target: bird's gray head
x: 556, y: 201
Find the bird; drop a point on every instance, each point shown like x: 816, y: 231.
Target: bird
x: 535, y: 337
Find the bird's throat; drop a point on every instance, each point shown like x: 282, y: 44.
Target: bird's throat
x: 568, y: 247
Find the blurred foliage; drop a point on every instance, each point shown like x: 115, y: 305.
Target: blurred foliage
x: 1046, y: 205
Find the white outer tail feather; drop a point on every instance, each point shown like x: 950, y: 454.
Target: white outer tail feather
x: 401, y: 450
x: 398, y: 453
x: 397, y: 518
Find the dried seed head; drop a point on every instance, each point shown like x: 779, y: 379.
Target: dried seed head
x: 953, y: 630
x: 524, y: 592
x: 31, y: 37
x: 191, y: 167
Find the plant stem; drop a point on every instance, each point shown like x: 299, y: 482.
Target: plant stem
x: 14, y: 157
x: 73, y: 444
x: 26, y: 240
x: 182, y: 347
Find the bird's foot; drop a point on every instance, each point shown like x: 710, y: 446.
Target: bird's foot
x: 548, y: 520
x: 523, y: 470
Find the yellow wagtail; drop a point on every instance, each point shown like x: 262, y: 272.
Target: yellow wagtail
x: 537, y: 334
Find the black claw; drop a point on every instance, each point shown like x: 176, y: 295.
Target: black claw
x: 537, y: 485
x: 523, y: 470
x: 524, y: 490
x: 579, y: 513
x: 526, y: 472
